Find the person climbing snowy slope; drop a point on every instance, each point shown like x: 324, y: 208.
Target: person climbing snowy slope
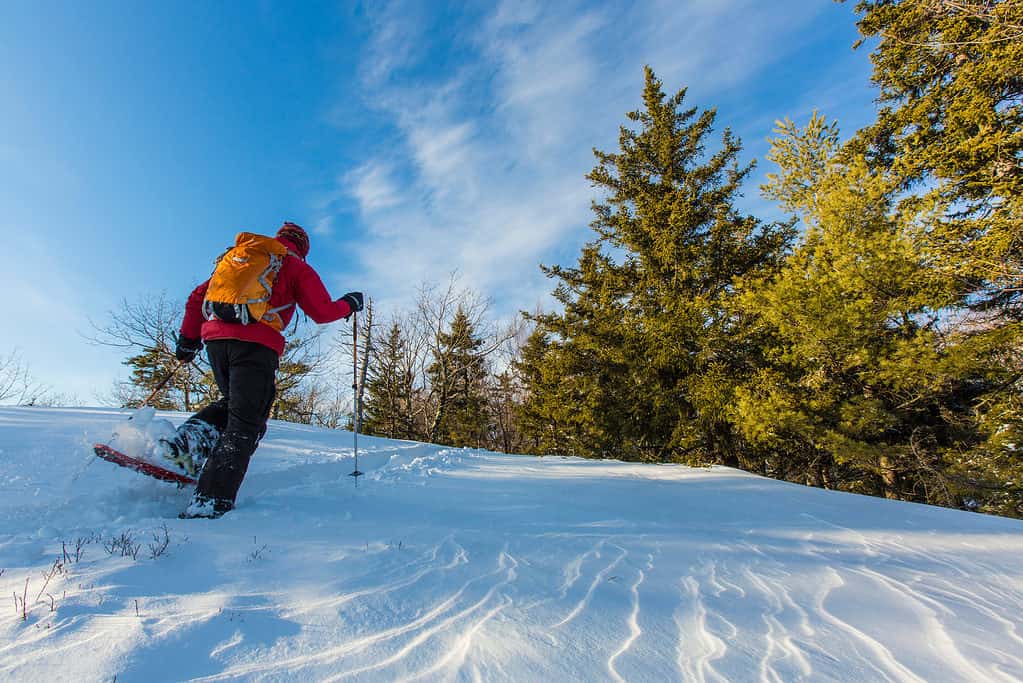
x: 243, y: 329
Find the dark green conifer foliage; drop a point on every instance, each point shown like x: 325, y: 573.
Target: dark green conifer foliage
x: 951, y: 124
x: 191, y: 387
x: 949, y: 139
x: 458, y: 376
x: 389, y: 388
x: 545, y: 411
x: 294, y: 402
x: 504, y: 402
x: 868, y: 384
x: 642, y: 361
x: 148, y: 369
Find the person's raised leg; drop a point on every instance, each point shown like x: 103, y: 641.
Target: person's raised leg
x: 252, y: 375
x: 196, y: 438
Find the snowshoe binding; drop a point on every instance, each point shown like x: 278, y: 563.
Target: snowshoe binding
x: 190, y: 446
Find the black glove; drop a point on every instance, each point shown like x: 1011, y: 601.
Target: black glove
x: 187, y: 349
x: 354, y: 300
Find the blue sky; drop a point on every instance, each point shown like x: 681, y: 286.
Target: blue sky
x: 412, y: 139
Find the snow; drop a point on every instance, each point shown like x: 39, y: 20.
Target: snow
x: 139, y: 434
x: 452, y: 564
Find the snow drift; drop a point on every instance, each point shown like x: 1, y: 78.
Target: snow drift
x: 449, y: 564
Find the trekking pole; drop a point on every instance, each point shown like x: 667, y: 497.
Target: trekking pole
x: 162, y: 383
x: 355, y: 389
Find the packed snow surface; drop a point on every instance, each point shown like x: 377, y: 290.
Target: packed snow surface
x: 451, y: 564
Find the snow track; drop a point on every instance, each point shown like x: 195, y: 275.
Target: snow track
x: 448, y: 564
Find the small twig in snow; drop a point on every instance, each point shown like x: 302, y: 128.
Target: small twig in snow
x: 160, y: 543
x: 258, y: 552
x: 54, y: 570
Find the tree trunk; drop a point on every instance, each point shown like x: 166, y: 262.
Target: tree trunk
x: 889, y: 478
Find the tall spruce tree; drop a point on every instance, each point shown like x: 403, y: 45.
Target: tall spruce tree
x: 867, y: 386
x: 951, y: 126
x: 389, y: 389
x: 641, y: 362
x: 548, y: 405
x: 853, y: 391
x: 949, y: 138
x: 458, y: 378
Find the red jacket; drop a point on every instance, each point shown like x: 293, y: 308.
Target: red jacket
x: 296, y: 283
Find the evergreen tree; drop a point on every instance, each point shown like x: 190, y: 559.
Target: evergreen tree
x: 295, y: 399
x: 951, y: 124
x: 457, y: 377
x: 148, y: 369
x: 191, y: 387
x: 949, y: 138
x: 389, y: 389
x: 864, y: 388
x: 543, y: 412
x: 642, y: 361
x: 147, y: 328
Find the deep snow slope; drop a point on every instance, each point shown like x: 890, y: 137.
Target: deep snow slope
x: 449, y: 564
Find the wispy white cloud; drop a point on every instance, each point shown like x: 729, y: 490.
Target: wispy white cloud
x: 396, y: 37
x: 324, y: 227
x: 486, y: 172
x: 373, y: 187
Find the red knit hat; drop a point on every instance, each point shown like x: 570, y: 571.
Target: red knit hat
x: 297, y: 236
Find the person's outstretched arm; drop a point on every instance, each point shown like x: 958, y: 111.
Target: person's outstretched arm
x: 313, y: 298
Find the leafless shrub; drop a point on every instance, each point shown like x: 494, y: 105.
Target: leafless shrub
x: 258, y: 552
x: 160, y: 542
x: 73, y: 555
x: 123, y: 545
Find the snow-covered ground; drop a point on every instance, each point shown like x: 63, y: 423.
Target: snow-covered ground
x: 448, y: 564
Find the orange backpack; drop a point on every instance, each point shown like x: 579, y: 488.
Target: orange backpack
x: 240, y: 287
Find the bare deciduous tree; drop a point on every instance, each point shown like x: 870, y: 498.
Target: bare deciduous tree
x: 16, y: 383
x: 147, y: 328
x: 422, y: 378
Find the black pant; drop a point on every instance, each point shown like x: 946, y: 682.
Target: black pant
x: 245, y: 373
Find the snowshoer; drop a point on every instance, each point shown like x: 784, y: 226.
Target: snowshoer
x: 241, y: 318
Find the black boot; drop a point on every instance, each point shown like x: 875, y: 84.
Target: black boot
x: 191, y: 445
x: 223, y: 474
x: 202, y: 507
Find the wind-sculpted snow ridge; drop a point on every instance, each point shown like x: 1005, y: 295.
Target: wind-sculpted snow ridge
x: 456, y: 564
